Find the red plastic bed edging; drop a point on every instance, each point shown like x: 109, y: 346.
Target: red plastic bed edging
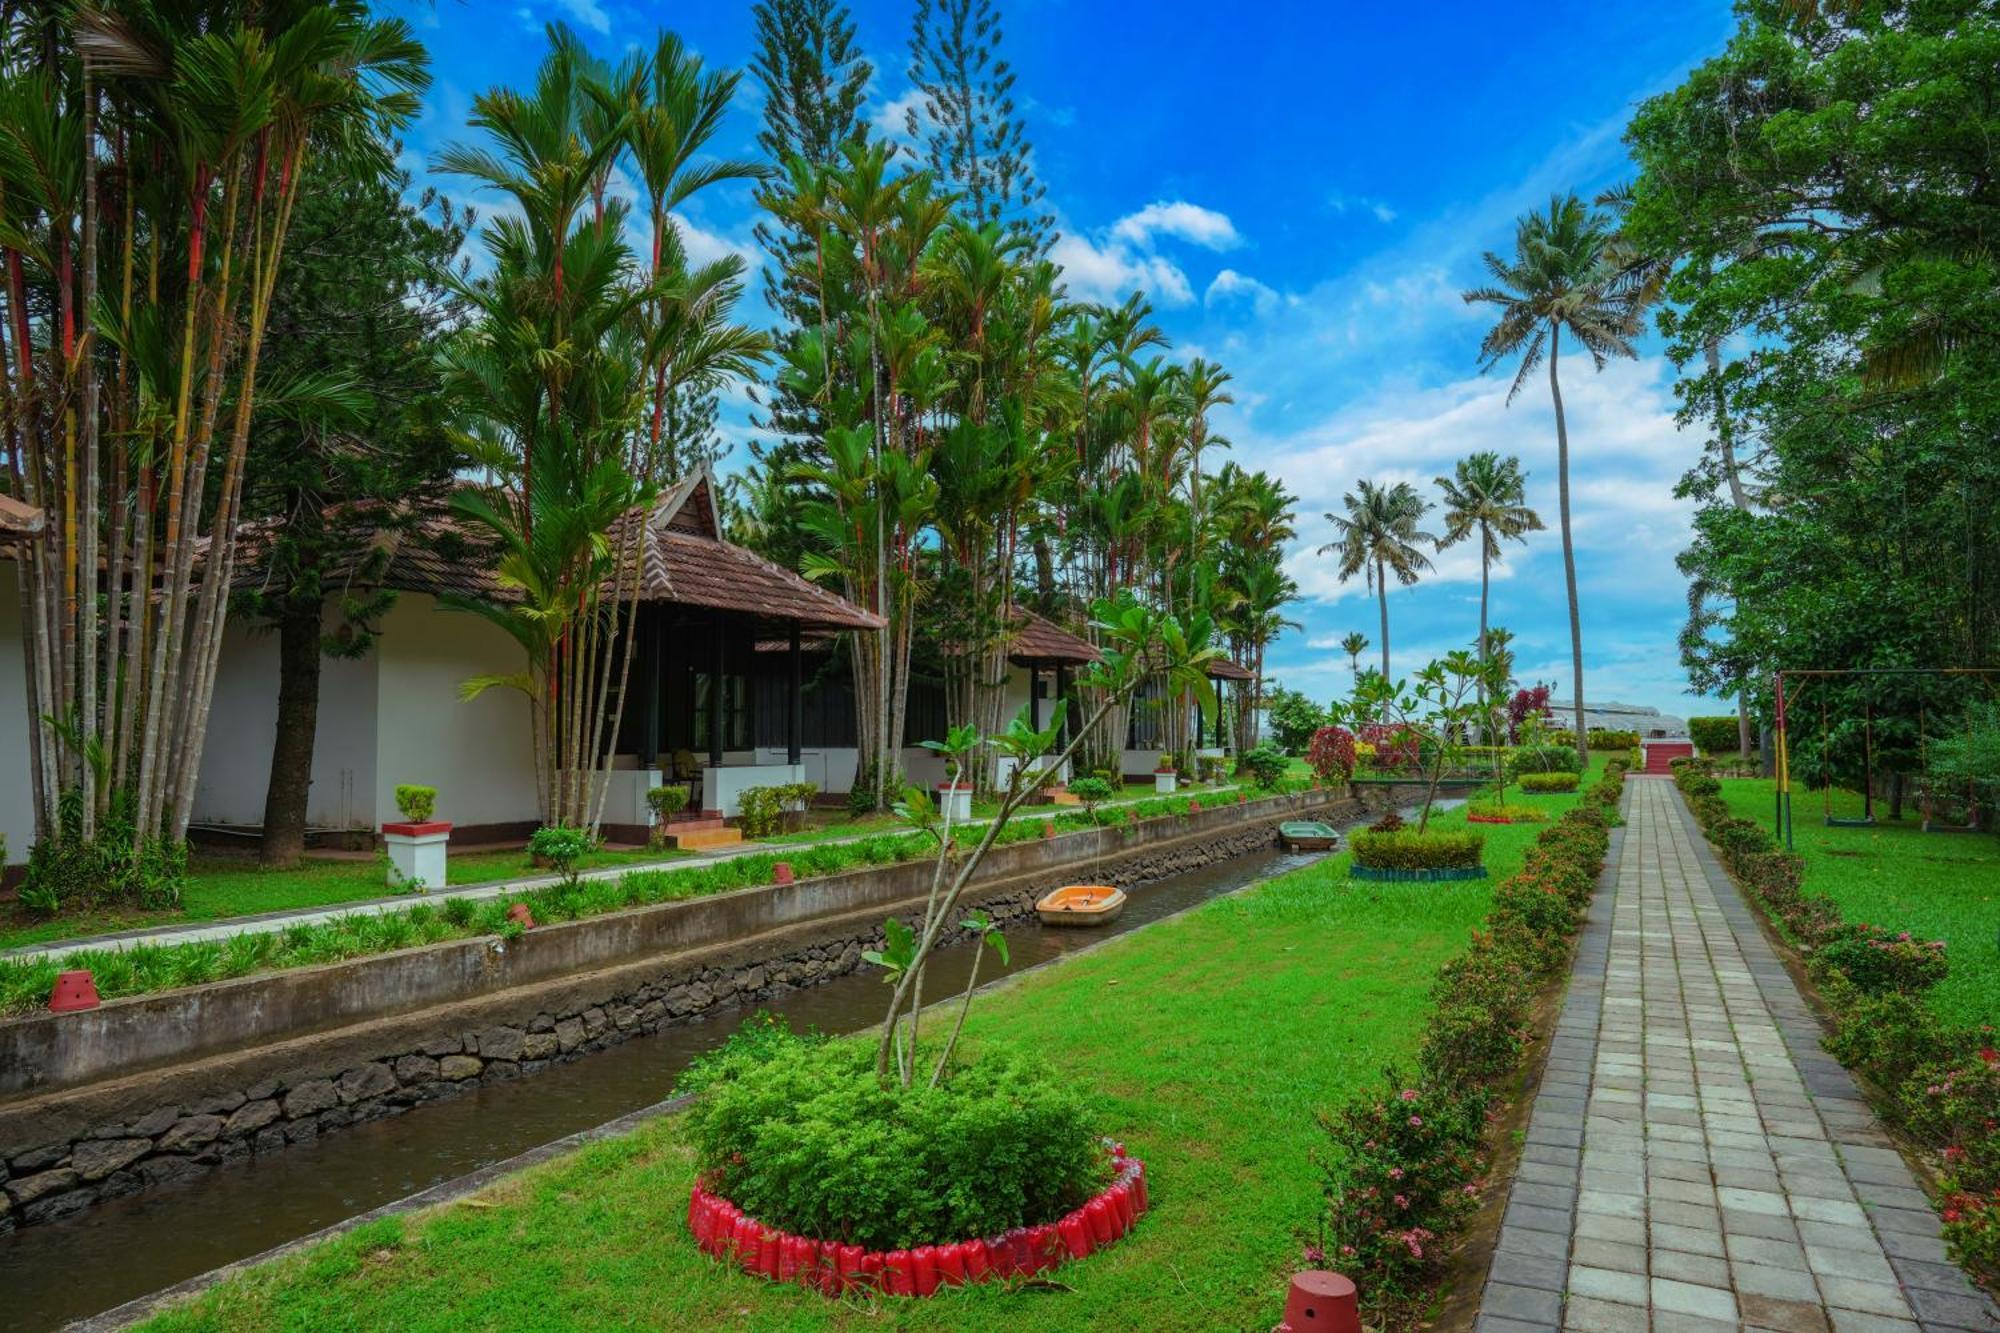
x: 723, y: 1231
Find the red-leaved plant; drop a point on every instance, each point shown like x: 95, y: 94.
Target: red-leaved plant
x: 1331, y: 754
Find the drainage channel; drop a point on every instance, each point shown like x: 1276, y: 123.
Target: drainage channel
x: 68, y: 1270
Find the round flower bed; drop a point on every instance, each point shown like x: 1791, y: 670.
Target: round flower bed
x: 726, y: 1232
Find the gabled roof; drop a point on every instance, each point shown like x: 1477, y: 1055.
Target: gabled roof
x: 1041, y: 642
x: 18, y: 518
x: 684, y: 559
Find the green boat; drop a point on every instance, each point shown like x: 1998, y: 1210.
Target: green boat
x: 1308, y: 835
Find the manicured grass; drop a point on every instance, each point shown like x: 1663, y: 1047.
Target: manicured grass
x: 1211, y: 1039
x: 1942, y: 886
x: 225, y: 887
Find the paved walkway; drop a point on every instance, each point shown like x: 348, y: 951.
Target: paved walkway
x: 1694, y: 1159
x: 266, y: 922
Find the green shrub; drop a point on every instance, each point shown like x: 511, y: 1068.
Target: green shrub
x: 1713, y: 735
x: 416, y: 803
x: 1543, y: 784
x: 1403, y: 1181
x: 802, y: 1135
x: 1877, y: 961
x: 762, y: 811
x: 1547, y: 757
x: 1406, y: 849
x: 666, y: 802
x: 1606, y: 738
x: 1264, y: 765
x: 1093, y: 792
x: 561, y: 847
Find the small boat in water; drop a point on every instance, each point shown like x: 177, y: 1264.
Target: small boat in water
x: 1081, y: 905
x: 1308, y: 835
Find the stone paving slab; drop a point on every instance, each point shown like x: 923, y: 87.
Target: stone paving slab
x: 1695, y: 1159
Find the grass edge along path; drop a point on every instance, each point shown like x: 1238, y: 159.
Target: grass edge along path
x: 1211, y: 1038
x: 140, y: 968
x: 1937, y: 886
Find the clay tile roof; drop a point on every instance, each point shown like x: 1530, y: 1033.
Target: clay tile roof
x: 1040, y: 642
x: 1222, y: 668
x: 18, y: 518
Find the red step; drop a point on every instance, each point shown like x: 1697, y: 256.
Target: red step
x: 1660, y: 756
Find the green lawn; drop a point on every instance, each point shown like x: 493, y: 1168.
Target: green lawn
x: 1935, y: 885
x: 225, y: 887
x: 1211, y: 1040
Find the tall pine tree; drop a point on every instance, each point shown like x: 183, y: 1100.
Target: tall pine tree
x: 973, y: 137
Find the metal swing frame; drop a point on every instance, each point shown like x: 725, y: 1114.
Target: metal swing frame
x: 1782, y: 765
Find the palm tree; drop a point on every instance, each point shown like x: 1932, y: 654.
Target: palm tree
x: 1379, y: 537
x: 1560, y: 277
x: 1354, y: 645
x: 1486, y: 494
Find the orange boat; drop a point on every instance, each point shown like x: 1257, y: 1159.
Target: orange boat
x: 1081, y: 905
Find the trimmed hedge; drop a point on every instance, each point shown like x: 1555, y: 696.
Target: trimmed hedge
x: 1406, y: 849
x: 1405, y: 1161
x: 1545, y: 784
x: 1713, y: 735
x: 1940, y: 1084
x: 1605, y: 738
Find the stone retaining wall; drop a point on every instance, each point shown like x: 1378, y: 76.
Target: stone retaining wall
x: 72, y: 1165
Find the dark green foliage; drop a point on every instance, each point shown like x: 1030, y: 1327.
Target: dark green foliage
x: 1293, y: 718
x: 1602, y: 738
x: 1552, y: 756
x: 1713, y: 735
x: 801, y: 1134
x: 1265, y: 765
x: 1878, y: 961
x: 560, y: 847
x: 65, y: 872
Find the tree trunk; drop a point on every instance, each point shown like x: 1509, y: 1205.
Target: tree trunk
x: 1569, y: 549
x: 284, y: 839
x: 1382, y: 591
x: 1485, y: 705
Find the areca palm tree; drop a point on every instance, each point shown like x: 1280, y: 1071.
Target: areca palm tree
x: 1354, y: 645
x: 1561, y: 278
x: 1378, y: 536
x: 1486, y: 494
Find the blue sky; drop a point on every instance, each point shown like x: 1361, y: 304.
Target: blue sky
x: 1303, y: 189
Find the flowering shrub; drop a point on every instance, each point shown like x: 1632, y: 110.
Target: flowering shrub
x: 1408, y: 1176
x: 1876, y: 961
x: 1972, y: 1230
x: 1364, y: 753
x: 1940, y: 1084
x: 1401, y: 1176
x: 1397, y: 746
x: 1331, y: 754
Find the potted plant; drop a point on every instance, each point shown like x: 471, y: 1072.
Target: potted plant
x: 417, y: 845
x: 1166, y: 778
x: 665, y: 803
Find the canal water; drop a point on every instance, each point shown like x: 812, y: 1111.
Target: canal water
x: 128, y: 1248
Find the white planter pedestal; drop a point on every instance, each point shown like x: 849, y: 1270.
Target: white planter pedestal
x: 954, y: 803
x: 1166, y: 784
x: 416, y: 854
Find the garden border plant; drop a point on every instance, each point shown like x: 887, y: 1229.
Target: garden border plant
x: 1402, y: 1173
x: 1939, y: 1084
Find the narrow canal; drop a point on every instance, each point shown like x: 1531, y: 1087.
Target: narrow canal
x: 122, y: 1250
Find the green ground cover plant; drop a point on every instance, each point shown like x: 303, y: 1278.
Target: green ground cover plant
x: 1330, y: 976
x: 1930, y: 1061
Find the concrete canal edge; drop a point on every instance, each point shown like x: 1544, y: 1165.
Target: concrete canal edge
x: 253, y: 1066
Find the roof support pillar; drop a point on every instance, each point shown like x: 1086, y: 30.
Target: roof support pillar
x: 795, y: 705
x: 716, y: 663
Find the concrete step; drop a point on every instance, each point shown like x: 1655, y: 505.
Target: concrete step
x: 695, y: 823
x: 703, y: 839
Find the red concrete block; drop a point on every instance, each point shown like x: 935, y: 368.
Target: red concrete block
x: 781, y: 873
x: 521, y: 913
x: 72, y: 992
x: 1321, y: 1302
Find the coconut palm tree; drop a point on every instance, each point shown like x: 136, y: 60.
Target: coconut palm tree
x: 1486, y: 494
x: 1354, y: 645
x: 1559, y: 278
x: 1378, y: 536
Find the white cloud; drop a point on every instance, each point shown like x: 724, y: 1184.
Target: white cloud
x: 1111, y: 271
x: 1189, y: 222
x: 1230, y: 286
x: 892, y: 118
x: 587, y: 12
x: 1375, y: 208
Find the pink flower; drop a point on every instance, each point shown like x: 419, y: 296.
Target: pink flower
x: 1409, y: 1094
x: 1402, y: 1201
x: 1315, y: 1255
x: 1416, y: 1122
